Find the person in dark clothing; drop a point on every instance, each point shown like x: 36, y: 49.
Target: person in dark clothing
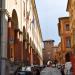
x: 62, y: 71
x: 37, y: 72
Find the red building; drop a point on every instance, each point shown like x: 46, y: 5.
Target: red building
x: 48, y: 51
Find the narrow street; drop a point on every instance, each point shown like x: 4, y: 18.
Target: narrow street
x: 37, y: 37
x: 53, y: 71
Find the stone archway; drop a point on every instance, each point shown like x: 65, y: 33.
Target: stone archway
x: 12, y: 35
x: 15, y: 19
x: 67, y: 56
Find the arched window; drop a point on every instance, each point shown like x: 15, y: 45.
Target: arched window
x: 68, y: 42
x: 67, y: 27
x: 23, y: 8
x: 74, y: 37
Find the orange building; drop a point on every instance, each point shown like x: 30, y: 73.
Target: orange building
x: 71, y: 10
x: 65, y: 34
x: 57, y: 54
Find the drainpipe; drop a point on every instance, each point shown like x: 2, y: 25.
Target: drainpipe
x: 0, y: 26
x: 3, y: 38
x: 0, y: 35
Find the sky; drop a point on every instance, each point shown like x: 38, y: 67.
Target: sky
x: 48, y: 12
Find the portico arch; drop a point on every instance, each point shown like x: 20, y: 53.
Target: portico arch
x: 67, y: 56
x: 15, y: 19
x: 12, y: 35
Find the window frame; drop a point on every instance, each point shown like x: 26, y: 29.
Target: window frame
x: 67, y: 27
x: 68, y: 42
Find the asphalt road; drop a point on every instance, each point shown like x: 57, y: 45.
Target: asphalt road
x: 50, y: 71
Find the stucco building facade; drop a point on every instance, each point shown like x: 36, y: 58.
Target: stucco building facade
x: 71, y: 10
x: 21, y: 37
x: 65, y: 35
x: 56, y: 54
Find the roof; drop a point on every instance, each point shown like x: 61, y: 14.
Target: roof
x: 60, y: 19
x: 36, y: 16
x: 48, y: 41
x: 63, y: 18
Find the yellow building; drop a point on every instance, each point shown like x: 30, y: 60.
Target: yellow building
x: 71, y: 10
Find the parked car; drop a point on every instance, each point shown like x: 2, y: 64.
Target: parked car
x: 24, y: 71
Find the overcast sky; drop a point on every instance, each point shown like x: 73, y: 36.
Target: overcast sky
x: 49, y: 11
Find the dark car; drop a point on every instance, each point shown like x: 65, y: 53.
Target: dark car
x: 24, y: 73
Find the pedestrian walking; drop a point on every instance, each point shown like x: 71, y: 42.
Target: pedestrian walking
x: 50, y: 70
x: 62, y: 70
x: 68, y: 68
x: 37, y: 71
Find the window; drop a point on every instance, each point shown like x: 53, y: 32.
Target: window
x: 24, y: 8
x: 67, y: 27
x: 74, y: 40
x: 48, y: 53
x: 68, y: 42
x: 74, y: 37
x: 15, y: 1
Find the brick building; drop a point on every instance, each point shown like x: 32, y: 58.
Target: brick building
x: 48, y: 51
x: 20, y: 34
x: 55, y: 53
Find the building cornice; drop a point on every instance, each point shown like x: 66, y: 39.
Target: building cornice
x: 48, y: 41
x: 59, y: 24
x: 36, y: 17
x: 62, y: 18
x: 4, y: 11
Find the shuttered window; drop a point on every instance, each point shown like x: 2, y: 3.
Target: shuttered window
x: 68, y: 42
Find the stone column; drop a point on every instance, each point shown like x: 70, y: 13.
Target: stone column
x: 21, y: 41
x: 41, y: 61
x: 0, y: 42
x: 3, y: 39
x: 10, y: 51
x: 31, y: 56
x: 25, y: 54
x: 35, y: 60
